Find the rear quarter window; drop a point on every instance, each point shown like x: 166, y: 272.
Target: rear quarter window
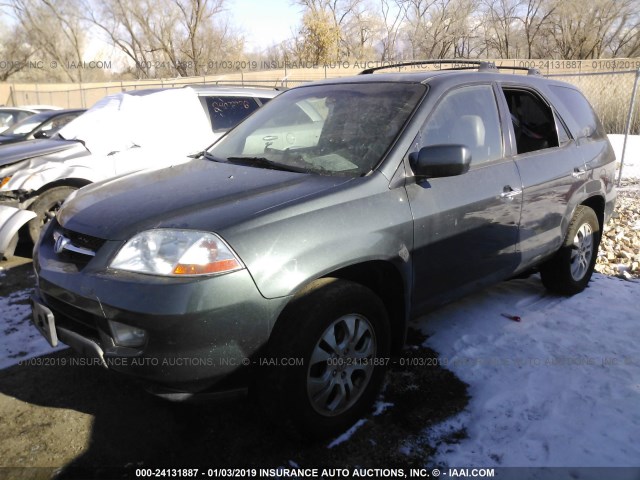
x: 227, y: 112
x: 578, y: 107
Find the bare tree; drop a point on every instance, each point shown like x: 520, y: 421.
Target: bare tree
x: 440, y: 28
x: 501, y: 28
x: 590, y: 31
x: 535, y: 19
x: 349, y: 19
x: 14, y: 50
x: 168, y: 37
x: 54, y: 31
x: 319, y: 38
x: 393, y: 14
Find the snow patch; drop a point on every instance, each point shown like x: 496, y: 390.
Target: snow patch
x: 631, y: 168
x: 380, y: 407
x: 348, y: 434
x: 19, y: 339
x: 560, y: 388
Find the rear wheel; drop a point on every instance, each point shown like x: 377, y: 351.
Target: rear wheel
x: 570, y: 269
x: 45, y: 207
x: 337, y: 333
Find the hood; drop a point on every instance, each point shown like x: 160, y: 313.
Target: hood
x: 14, y: 153
x: 200, y: 195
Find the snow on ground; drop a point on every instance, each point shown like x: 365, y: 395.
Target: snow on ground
x: 631, y: 168
x: 559, y: 388
x: 19, y: 339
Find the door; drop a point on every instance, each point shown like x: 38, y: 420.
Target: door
x: 465, y: 227
x: 551, y: 169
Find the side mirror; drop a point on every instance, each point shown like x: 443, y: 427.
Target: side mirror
x: 41, y: 134
x: 440, y: 161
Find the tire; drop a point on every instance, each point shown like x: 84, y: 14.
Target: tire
x: 46, y: 207
x: 568, y: 272
x: 325, y: 394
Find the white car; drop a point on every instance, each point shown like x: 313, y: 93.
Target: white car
x: 12, y: 115
x: 122, y: 133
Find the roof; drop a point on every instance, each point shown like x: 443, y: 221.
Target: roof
x: 47, y: 114
x: 432, y: 76
x: 238, y: 90
x: 17, y: 109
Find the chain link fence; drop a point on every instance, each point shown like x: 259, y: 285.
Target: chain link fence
x: 614, y: 98
x: 85, y: 97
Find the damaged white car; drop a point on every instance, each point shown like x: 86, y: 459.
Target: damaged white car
x: 122, y: 133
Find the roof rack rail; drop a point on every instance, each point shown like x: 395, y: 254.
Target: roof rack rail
x: 459, y: 64
x: 455, y: 61
x: 530, y: 71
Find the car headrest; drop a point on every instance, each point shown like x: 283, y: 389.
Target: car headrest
x: 469, y: 131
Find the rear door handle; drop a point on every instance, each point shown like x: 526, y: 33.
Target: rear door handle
x: 510, y: 193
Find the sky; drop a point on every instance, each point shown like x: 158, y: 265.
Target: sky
x: 264, y: 22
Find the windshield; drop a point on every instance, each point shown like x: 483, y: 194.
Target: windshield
x: 343, y: 129
x: 27, y: 125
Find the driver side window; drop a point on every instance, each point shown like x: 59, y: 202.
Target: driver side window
x: 467, y: 116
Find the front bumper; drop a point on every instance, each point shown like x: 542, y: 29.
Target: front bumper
x: 200, y: 331
x: 11, y: 220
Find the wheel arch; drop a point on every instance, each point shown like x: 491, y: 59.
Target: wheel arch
x: 385, y: 280
x: 597, y: 204
x: 64, y: 182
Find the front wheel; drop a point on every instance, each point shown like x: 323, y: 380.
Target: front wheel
x: 45, y: 207
x: 336, y: 334
x: 568, y: 272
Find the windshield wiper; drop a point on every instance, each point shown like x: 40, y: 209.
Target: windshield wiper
x: 262, y: 162
x: 208, y: 156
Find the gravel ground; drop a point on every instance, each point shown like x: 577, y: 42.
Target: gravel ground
x: 619, y: 253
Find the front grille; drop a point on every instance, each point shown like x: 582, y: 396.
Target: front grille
x: 78, y: 240
x: 83, y: 241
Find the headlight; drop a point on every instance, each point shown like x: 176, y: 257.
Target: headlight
x: 4, y: 181
x: 176, y: 253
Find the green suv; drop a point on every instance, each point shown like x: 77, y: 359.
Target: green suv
x: 288, y: 260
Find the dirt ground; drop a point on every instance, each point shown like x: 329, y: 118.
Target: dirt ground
x: 86, y: 422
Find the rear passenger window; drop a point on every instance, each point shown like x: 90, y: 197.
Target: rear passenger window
x: 533, y: 121
x: 467, y: 116
x: 227, y: 112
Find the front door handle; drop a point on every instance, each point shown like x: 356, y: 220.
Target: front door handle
x: 578, y: 172
x: 509, y: 193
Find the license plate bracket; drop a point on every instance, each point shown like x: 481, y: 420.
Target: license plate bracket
x: 44, y: 321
